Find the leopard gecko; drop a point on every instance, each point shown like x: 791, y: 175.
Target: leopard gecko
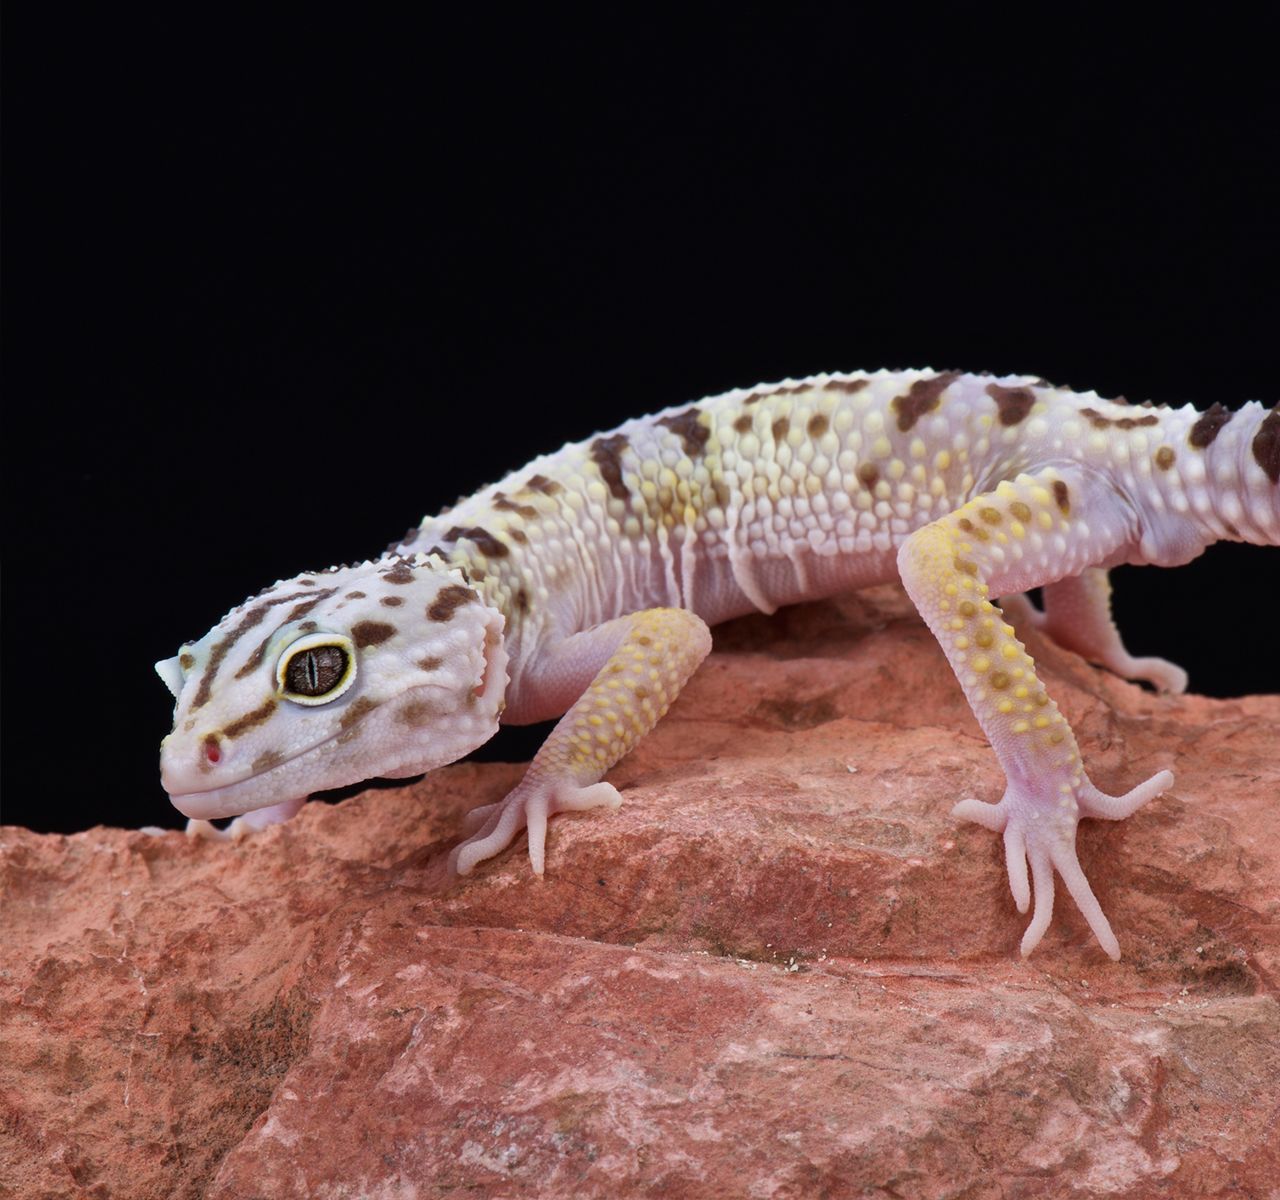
x: 582, y: 586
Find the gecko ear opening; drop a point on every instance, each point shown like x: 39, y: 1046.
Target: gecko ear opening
x: 171, y: 672
x: 491, y: 688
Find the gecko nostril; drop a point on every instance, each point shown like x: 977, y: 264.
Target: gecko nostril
x: 212, y: 751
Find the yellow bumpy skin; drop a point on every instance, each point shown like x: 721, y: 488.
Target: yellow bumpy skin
x: 996, y: 543
x: 640, y: 662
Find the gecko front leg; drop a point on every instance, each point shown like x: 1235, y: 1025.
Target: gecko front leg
x: 1028, y: 532
x: 625, y: 674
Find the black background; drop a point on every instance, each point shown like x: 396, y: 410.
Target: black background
x: 273, y: 293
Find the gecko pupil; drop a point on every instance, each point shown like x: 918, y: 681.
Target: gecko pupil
x: 316, y: 671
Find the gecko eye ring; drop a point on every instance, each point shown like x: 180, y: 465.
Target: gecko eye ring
x: 316, y: 669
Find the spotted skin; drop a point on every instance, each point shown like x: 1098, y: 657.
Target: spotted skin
x: 581, y: 588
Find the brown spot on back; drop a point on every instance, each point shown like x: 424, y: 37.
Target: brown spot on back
x: 355, y: 595
x: 818, y: 425
x: 306, y: 583
x: 391, y: 601
x: 744, y: 423
x: 965, y: 524
x: 402, y: 572
x: 518, y: 535
x: 754, y: 398
x: 250, y: 719
x: 540, y: 483
x: 448, y: 600
x: 1012, y: 404
x: 430, y: 664
x: 1020, y: 511
x: 606, y: 453
x: 998, y: 680
x: 780, y: 428
x: 1165, y: 457
x: 371, y: 633
x: 505, y: 504
x: 186, y: 661
x: 1209, y: 426
x: 1135, y: 422
x: 1266, y: 445
x: 990, y: 515
x: 1095, y: 418
x: 486, y: 543
x: 522, y: 600
x: 308, y: 627
x: 965, y: 567
x: 356, y: 712
x: 847, y: 386
x: 1062, y: 496
x: 923, y: 396
x: 691, y: 431
x: 869, y: 474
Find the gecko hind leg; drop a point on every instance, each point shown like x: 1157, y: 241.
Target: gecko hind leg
x: 1077, y: 616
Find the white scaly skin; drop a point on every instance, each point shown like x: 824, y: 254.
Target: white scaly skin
x: 583, y: 585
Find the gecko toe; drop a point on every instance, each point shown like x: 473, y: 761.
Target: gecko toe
x: 990, y: 816
x: 1042, y: 914
x: 1068, y: 866
x: 1015, y: 859
x: 476, y: 818
x: 1163, y: 675
x: 1115, y: 808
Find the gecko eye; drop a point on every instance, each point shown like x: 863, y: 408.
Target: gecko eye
x: 315, y: 670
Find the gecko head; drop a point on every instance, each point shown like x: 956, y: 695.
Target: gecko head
x: 385, y: 669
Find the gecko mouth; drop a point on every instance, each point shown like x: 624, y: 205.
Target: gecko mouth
x: 240, y: 796
x: 454, y: 732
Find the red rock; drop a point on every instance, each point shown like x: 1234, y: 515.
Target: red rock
x: 780, y: 970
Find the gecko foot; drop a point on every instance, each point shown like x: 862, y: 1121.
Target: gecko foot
x: 1163, y: 675
x: 492, y: 827
x: 1043, y: 833
x: 246, y: 825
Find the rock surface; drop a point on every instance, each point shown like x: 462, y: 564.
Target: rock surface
x: 780, y: 970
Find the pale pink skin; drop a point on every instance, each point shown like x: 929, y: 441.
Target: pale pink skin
x: 525, y: 597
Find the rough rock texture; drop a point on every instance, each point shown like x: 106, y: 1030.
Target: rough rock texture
x: 781, y: 970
